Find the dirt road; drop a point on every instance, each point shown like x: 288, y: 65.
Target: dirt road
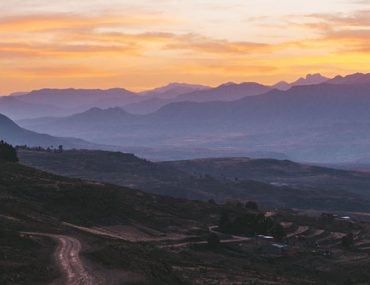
x: 67, y: 256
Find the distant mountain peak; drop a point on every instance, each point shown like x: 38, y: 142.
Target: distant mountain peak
x: 173, y: 89
x: 241, y: 84
x: 356, y: 78
x: 282, y: 85
x: 309, y: 79
x: 230, y: 83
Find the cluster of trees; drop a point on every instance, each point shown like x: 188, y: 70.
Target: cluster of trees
x: 7, y: 152
x: 250, y: 224
x: 39, y: 148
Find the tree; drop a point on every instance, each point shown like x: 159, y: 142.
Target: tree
x: 278, y: 232
x: 8, y: 152
x: 213, y: 240
x: 347, y: 240
x: 224, y: 224
x: 212, y: 201
x: 251, y: 205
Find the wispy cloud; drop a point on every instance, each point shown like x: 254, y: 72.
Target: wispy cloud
x: 163, y: 43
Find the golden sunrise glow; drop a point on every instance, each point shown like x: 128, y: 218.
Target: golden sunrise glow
x: 143, y: 44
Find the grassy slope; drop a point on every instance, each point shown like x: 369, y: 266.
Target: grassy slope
x: 33, y: 200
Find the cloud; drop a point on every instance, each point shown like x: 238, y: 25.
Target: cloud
x: 116, y: 49
x: 346, y: 32
x: 55, y: 71
x: 55, y: 22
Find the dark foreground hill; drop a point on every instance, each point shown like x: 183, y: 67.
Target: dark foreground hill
x: 271, y: 183
x: 114, y: 234
x: 34, y: 201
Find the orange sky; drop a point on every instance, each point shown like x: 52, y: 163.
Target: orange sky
x: 142, y: 44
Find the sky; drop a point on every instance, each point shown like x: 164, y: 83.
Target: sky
x: 148, y: 43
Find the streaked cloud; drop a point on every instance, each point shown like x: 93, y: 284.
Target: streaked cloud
x: 148, y: 43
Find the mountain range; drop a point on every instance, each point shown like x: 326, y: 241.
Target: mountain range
x: 62, y: 102
x: 327, y: 122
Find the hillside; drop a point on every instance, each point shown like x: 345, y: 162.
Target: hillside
x: 12, y: 133
x: 34, y: 201
x: 277, y: 172
x: 12, y: 107
x: 120, y: 234
x: 176, y: 180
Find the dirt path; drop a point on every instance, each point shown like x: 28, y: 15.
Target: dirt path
x: 67, y: 257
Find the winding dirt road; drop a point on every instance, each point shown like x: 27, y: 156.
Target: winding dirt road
x: 67, y: 256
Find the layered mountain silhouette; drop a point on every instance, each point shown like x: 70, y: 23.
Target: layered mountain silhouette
x: 64, y: 102
x: 321, y: 123
x: 225, y: 92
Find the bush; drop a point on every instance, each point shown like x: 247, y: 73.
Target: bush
x: 7, y: 152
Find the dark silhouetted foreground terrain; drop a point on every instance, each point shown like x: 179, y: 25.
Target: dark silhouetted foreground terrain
x: 124, y: 235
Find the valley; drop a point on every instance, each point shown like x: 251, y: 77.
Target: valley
x: 184, y: 142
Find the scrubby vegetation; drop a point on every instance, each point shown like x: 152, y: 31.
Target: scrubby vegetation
x: 251, y: 223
